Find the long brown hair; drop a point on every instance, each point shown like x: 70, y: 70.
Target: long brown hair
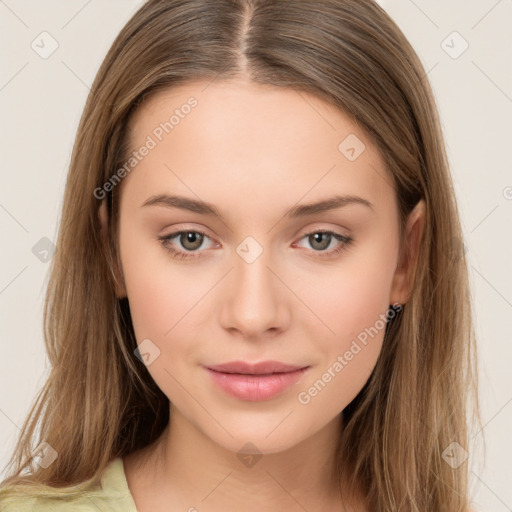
x: 100, y: 402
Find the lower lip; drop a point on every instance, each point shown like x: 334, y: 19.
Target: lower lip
x: 255, y: 388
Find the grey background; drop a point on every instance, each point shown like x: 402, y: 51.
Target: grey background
x: 41, y: 100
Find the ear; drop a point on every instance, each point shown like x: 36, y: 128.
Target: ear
x: 120, y: 288
x: 401, y: 287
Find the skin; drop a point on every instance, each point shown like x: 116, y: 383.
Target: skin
x: 254, y: 152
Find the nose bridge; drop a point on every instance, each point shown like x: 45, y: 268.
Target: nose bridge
x: 254, y: 302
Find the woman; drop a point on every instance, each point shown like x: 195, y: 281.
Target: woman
x: 258, y: 299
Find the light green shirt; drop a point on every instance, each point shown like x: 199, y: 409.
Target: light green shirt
x: 114, y: 496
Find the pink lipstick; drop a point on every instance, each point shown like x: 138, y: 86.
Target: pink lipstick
x: 255, y: 381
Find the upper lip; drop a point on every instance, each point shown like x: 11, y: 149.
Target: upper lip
x: 261, y: 368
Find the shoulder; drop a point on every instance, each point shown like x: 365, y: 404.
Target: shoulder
x: 10, y: 502
x: 111, y: 496
x: 49, y: 504
x: 41, y: 503
x: 13, y: 500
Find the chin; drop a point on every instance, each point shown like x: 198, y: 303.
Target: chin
x: 257, y: 436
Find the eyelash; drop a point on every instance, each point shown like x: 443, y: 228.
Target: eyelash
x: 164, y: 240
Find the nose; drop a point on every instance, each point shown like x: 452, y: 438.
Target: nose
x: 255, y: 302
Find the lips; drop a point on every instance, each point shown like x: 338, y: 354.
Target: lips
x: 262, y: 368
x: 255, y: 381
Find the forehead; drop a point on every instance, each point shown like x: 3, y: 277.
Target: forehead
x: 222, y: 139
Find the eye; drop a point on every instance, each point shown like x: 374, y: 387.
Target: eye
x: 322, y: 239
x: 190, y: 240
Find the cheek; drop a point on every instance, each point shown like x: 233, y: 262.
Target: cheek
x: 165, y: 301
x: 160, y: 293
x: 352, y: 300
x: 351, y: 295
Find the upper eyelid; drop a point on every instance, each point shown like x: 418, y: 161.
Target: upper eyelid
x: 180, y: 231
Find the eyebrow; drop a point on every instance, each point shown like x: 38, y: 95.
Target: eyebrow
x: 304, y: 210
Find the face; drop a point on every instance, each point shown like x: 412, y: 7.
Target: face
x: 254, y: 276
